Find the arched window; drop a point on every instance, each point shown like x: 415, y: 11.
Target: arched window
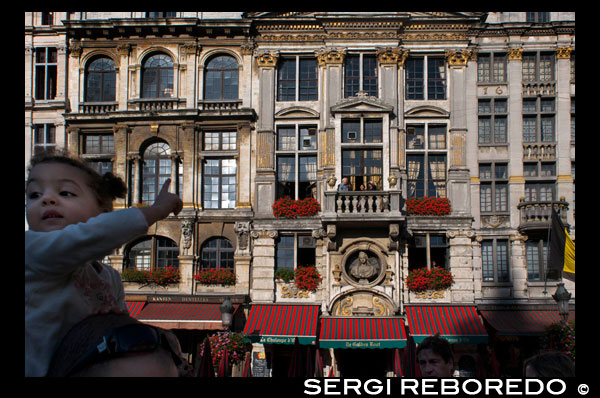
x: 157, y: 77
x: 221, y: 78
x: 100, y: 80
x: 152, y: 252
x: 216, y: 253
x: 156, y: 170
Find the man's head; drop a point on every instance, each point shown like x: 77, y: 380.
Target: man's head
x: 434, y: 356
x: 108, y: 345
x: 345, y: 180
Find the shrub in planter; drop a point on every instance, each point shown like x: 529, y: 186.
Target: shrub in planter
x: 215, y: 277
x: 285, y: 274
x: 560, y: 336
x: 430, y: 206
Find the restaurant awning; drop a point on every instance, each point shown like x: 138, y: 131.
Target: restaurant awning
x: 282, y: 323
x: 457, y: 324
x: 362, y: 332
x: 178, y: 315
x: 135, y: 307
x: 522, y: 322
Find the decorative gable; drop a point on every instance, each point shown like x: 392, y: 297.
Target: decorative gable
x: 361, y: 103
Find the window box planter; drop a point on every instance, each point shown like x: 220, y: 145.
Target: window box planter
x: 223, y: 277
x: 430, y: 206
x: 289, y: 208
x: 422, y: 279
x: 159, y: 276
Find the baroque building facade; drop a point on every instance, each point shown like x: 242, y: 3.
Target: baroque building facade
x: 241, y: 109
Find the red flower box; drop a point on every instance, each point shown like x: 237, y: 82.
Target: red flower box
x: 290, y: 208
x: 422, y: 279
x: 430, y: 206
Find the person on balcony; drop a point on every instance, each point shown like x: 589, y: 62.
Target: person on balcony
x: 343, y: 186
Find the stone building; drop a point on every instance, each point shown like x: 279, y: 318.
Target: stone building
x: 241, y: 109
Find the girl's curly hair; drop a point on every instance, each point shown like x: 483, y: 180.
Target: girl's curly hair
x: 106, y: 187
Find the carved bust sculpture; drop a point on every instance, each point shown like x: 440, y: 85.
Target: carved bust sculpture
x: 363, y: 269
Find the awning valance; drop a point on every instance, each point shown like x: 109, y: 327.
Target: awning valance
x: 177, y: 315
x: 135, y: 307
x: 457, y: 324
x: 362, y: 332
x: 282, y: 323
x: 522, y: 322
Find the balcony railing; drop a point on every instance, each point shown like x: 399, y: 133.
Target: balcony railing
x: 537, y: 214
x: 539, y: 88
x: 361, y: 203
x: 219, y: 105
x: 540, y: 151
x: 98, y: 107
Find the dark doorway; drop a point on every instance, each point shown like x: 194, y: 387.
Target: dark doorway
x: 362, y: 363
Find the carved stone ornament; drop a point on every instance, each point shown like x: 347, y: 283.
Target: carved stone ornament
x: 330, y: 56
x: 564, y: 52
x: 458, y: 58
x: 186, y: 235
x: 515, y: 54
x: 242, y: 230
x: 363, y: 303
x: 267, y: 60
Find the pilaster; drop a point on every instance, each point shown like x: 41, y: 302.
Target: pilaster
x: 262, y: 288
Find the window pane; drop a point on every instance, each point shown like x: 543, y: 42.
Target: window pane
x: 286, y: 138
x: 308, y: 138
x: 502, y: 260
x: 286, y: 85
x: 351, y: 131
x: 485, y: 197
x: 370, y: 75
x: 308, y: 79
x: 437, y: 137
x: 414, y: 79
x: 373, y: 131
x: 285, y: 252
x: 351, y: 75
x: 487, y: 260
x: 436, y: 78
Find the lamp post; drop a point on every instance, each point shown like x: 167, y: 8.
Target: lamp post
x: 226, y: 313
x: 562, y: 297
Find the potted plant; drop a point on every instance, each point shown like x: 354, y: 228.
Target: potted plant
x: 214, y: 276
x: 159, y: 276
x: 307, y: 278
x: 560, y: 336
x: 430, y: 206
x: 237, y: 346
x: 289, y: 208
x: 422, y: 279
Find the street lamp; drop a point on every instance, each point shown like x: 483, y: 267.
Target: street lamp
x: 227, y: 312
x: 562, y: 297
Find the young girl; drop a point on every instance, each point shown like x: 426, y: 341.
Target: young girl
x: 71, y: 227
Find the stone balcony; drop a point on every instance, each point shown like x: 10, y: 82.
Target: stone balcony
x: 98, y: 107
x: 357, y: 206
x: 537, y: 215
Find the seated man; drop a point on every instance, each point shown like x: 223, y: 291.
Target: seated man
x: 434, y: 356
x: 108, y: 345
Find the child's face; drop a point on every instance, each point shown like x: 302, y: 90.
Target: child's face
x: 58, y: 195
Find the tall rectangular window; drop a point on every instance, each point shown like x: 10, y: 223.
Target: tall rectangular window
x: 297, y: 79
x: 426, y: 157
x: 426, y: 78
x: 493, y: 192
x: 360, y: 74
x: 219, y: 183
x: 538, y: 67
x: 491, y: 68
x: 98, y: 150
x: 495, y: 260
x: 539, y: 119
x: 296, y: 155
x: 492, y: 121
x: 46, y: 62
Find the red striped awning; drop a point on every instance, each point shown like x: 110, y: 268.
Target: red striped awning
x: 457, y: 324
x: 281, y: 323
x: 362, y: 332
x: 522, y: 322
x: 135, y: 307
x: 201, y: 315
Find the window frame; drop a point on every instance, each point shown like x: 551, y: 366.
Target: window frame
x: 495, y: 268
x: 157, y: 70
x: 219, y: 250
x: 47, y: 131
x: 221, y: 176
x: 158, y: 177
x: 103, y: 82
x: 155, y: 251
x: 294, y: 248
x: 493, y: 116
x: 423, y: 79
x: 46, y: 73
x: 491, y: 60
x: 362, y: 78
x: 292, y: 148
x: 494, y: 181
x: 222, y: 94
x: 304, y: 88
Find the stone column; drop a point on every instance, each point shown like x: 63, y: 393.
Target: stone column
x: 461, y: 265
x: 331, y: 62
x: 262, y: 287
x: 122, y: 89
x: 265, y: 145
x: 189, y: 172
x: 518, y: 266
x: 458, y: 174
x: 242, y: 257
x: 564, y: 180
x: 135, y: 186
x: 516, y: 182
